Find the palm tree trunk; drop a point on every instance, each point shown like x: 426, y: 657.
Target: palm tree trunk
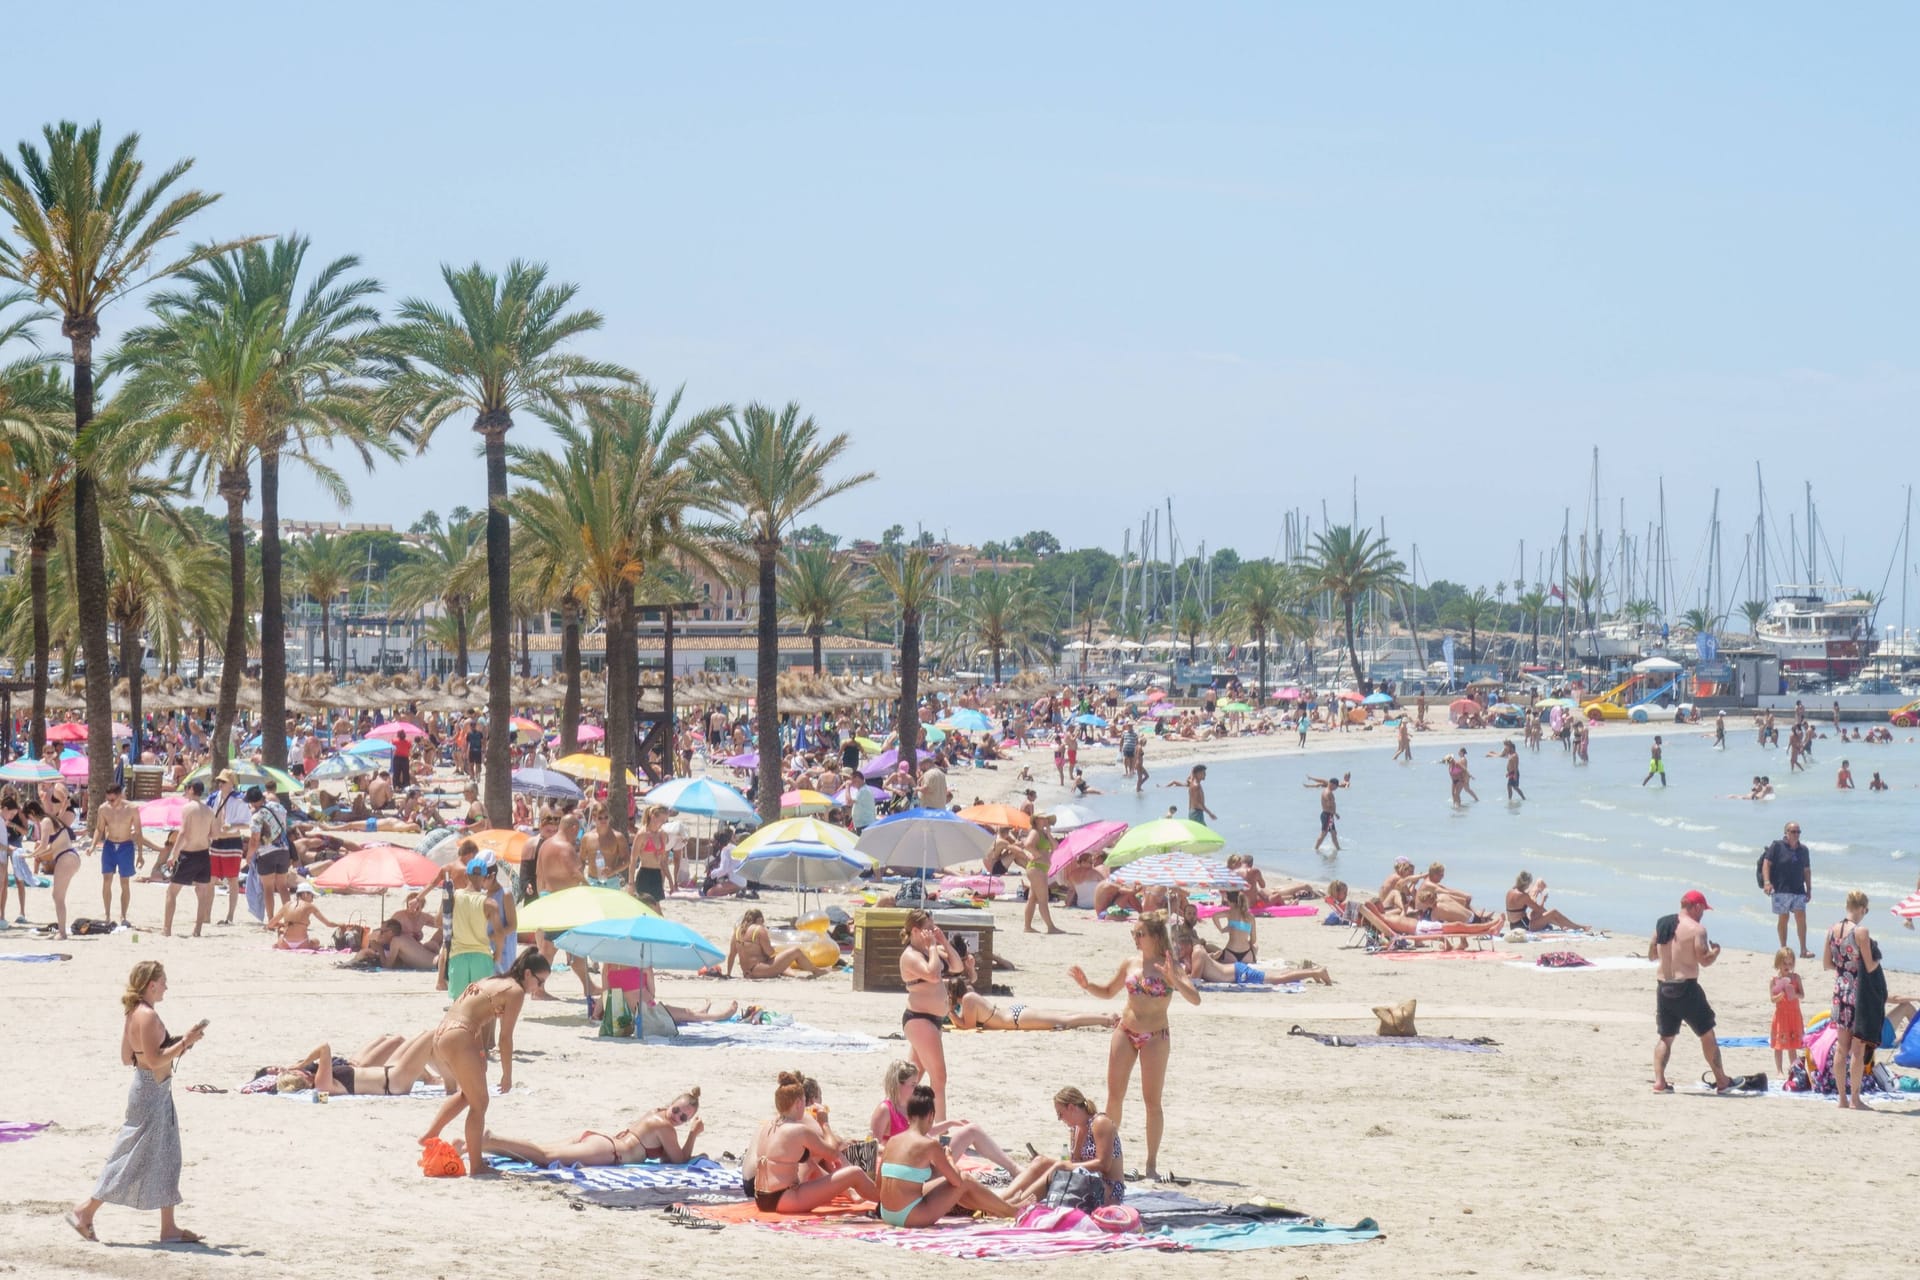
x: 570, y: 667
x: 460, y: 633
x: 909, y: 714
x: 816, y: 634
x: 233, y: 660
x: 767, y: 684
x: 996, y: 666
x: 90, y: 576
x: 666, y: 684
x: 499, y: 782
x: 1353, y: 651
x: 273, y: 618
x: 526, y: 652
x: 42, y: 645
x: 326, y: 637
x: 1260, y: 637
x: 132, y: 652
x: 620, y: 701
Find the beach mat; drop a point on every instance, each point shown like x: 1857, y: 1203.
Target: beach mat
x: 795, y: 1038
x: 1042, y: 1231
x: 747, y: 1211
x: 700, y: 1174
x: 36, y: 957
x: 1288, y: 988
x: 1742, y: 1042
x: 1237, y: 1236
x: 1615, y: 963
x: 1481, y: 1044
x: 21, y: 1130
x: 422, y: 1091
x: 1450, y: 955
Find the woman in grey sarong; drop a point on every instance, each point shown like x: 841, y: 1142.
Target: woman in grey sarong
x: 143, y: 1169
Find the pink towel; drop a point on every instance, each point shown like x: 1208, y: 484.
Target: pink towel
x: 1275, y: 910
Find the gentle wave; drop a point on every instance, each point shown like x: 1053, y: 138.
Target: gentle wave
x: 1821, y: 846
x: 1591, y: 803
x: 1580, y: 836
x: 1695, y: 826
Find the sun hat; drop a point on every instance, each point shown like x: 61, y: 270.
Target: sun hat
x: 304, y: 887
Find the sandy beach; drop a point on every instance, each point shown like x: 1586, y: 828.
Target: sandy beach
x: 1540, y: 1159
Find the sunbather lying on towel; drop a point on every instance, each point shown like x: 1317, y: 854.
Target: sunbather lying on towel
x: 654, y: 1136
x: 1202, y: 967
x: 388, y: 1066
x: 391, y: 947
x: 974, y: 1012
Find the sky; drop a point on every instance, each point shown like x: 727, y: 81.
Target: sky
x: 1053, y: 266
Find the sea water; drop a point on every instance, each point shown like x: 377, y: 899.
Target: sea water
x: 1615, y: 854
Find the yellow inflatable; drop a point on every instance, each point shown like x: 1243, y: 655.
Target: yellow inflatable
x: 814, y: 922
x: 818, y: 948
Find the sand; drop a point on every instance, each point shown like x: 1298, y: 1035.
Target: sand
x: 1550, y: 1158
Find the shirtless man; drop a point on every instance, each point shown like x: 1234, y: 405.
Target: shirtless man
x: 192, y: 862
x: 122, y: 846
x: 558, y: 867
x: 380, y: 792
x: 390, y: 947
x: 604, y: 851
x: 1655, y: 765
x: 1195, y: 783
x: 1393, y: 889
x: 1681, y: 949
x: 1329, y: 810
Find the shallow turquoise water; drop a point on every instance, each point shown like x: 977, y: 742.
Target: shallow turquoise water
x: 1614, y: 854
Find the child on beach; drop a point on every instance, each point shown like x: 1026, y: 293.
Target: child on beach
x: 1788, y: 1035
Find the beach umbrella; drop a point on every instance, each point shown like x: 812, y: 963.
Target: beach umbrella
x: 583, y: 764
x: 369, y: 747
x: 1137, y: 697
x: 803, y: 864
x: 933, y: 735
x: 1164, y: 710
x: 801, y: 830
x: 546, y: 784
x: 1155, y: 695
x: 1071, y: 817
x: 67, y: 731
x: 343, y: 766
x: 1238, y: 708
x: 378, y: 867
x: 1908, y: 907
x: 1091, y: 838
x: 883, y: 764
x: 504, y: 843
x: 745, y: 760
x: 997, y: 815
x: 925, y: 839
x: 1485, y: 682
x: 645, y: 942
x: 869, y: 746
x: 397, y: 729
x: 848, y: 794
x: 1568, y: 703
x: 1164, y: 835
x: 1463, y: 706
x: 73, y: 767
x: 1350, y: 695
x: 527, y: 730
x: 795, y: 803
x: 248, y: 774
x: 589, y: 733
x: 1179, y: 871
x: 258, y: 740
x: 702, y: 797
x: 582, y: 904
x: 968, y: 720
x: 1651, y: 666
x: 24, y: 770
x: 1088, y: 718
x: 164, y: 812
x: 1289, y: 694
x: 1377, y: 700
x: 1503, y: 709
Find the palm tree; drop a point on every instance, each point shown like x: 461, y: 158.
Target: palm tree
x: 1347, y: 565
x: 1585, y: 587
x: 911, y: 581
x: 1471, y: 611
x: 36, y: 497
x: 500, y: 351
x: 323, y: 568
x: 326, y: 346
x: 32, y: 395
x: 1531, y: 606
x: 773, y: 468
x: 1697, y: 620
x: 85, y: 233
x: 1000, y: 613
x: 1753, y: 611
x: 448, y: 569
x: 815, y: 590
x: 1263, y: 601
x: 613, y: 505
x: 1639, y: 612
x: 160, y: 577
x: 1190, y: 622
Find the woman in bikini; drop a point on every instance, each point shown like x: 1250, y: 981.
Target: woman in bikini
x: 1242, y: 946
x: 1037, y: 852
x: 753, y: 948
x: 54, y: 852
x: 974, y: 1012
x: 891, y: 1118
x: 1527, y: 907
x: 789, y: 1142
x: 1094, y: 1140
x: 926, y: 963
x: 918, y: 1184
x: 654, y: 1136
x: 389, y: 1066
x: 459, y: 1045
x: 1149, y: 979
x: 1202, y: 967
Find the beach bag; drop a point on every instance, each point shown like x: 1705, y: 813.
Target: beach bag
x: 616, y: 1015
x: 1907, y: 1054
x: 438, y: 1159
x: 350, y: 937
x: 1760, y: 870
x: 1076, y: 1189
x: 656, y: 1023
x: 90, y: 928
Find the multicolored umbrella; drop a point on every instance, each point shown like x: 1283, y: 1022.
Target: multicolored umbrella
x: 1179, y: 871
x: 1164, y: 835
x: 804, y: 801
x: 1908, y: 908
x: 582, y: 904
x: 802, y: 864
x: 24, y: 770
x: 796, y: 830
x: 247, y: 774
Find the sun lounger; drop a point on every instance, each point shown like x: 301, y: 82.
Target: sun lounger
x: 1393, y: 939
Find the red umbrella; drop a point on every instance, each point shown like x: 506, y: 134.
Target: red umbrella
x: 397, y: 729
x: 67, y: 731
x: 1908, y: 907
x: 1351, y: 695
x: 1463, y: 706
x: 376, y: 868
x: 1092, y: 838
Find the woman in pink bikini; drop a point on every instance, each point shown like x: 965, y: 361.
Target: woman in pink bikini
x: 1150, y: 979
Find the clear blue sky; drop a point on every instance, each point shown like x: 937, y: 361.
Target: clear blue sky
x: 1050, y: 265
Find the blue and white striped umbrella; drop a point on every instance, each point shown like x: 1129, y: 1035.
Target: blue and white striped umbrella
x: 702, y: 797
x: 803, y: 864
x: 24, y: 770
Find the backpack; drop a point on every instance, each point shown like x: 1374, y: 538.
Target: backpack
x: 1760, y: 869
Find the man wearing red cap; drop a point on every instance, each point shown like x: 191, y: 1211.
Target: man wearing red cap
x: 1681, y: 949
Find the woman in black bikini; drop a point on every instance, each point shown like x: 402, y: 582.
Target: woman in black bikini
x: 1527, y: 907
x: 926, y: 964
x: 1150, y: 979
x: 388, y: 1066
x: 53, y: 850
x: 654, y: 1136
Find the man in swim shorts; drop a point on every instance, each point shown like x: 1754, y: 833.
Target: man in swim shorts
x: 119, y: 826
x: 1681, y: 949
x: 1656, y: 765
x: 228, y: 850
x: 192, y: 864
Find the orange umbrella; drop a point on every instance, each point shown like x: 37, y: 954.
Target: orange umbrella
x: 376, y: 868
x: 996, y: 815
x: 503, y: 842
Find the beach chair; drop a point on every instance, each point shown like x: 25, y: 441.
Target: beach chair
x: 1392, y: 939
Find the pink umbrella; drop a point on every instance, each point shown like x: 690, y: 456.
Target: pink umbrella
x: 1288, y: 694
x: 1164, y: 709
x: 397, y: 729
x: 164, y: 812
x: 73, y: 768
x: 67, y: 731
x: 378, y: 867
x: 1908, y: 907
x: 1091, y: 838
x: 589, y: 733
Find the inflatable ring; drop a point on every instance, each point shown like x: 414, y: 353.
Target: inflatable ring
x: 1116, y: 1218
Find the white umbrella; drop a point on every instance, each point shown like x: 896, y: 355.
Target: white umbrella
x: 1071, y: 817
x: 1648, y: 666
x: 925, y: 839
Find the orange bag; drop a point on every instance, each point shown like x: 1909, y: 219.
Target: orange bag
x: 438, y: 1159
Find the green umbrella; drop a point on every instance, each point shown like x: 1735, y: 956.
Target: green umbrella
x: 1235, y: 706
x: 1164, y: 835
x: 249, y: 775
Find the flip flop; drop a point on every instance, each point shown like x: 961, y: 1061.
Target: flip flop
x: 1667, y: 1088
x: 185, y: 1237
x: 86, y: 1232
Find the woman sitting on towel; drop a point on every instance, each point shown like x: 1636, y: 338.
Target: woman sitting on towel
x: 1094, y: 1140
x: 1202, y: 967
x: 918, y: 1184
x: 1527, y: 906
x: 754, y: 950
x: 974, y: 1012
x: 388, y: 1066
x: 654, y: 1136
x: 891, y: 1119
x: 790, y: 1142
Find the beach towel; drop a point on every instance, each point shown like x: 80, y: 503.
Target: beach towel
x: 793, y: 1038
x: 1236, y: 1235
x: 1273, y: 910
x: 1043, y: 1231
x: 1602, y: 962
x: 700, y: 1174
x: 1450, y: 955
x: 263, y: 1086
x: 841, y: 1212
x: 38, y: 957
x: 21, y: 1130
x: 1742, y: 1042
x: 1290, y: 988
x: 1479, y: 1044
